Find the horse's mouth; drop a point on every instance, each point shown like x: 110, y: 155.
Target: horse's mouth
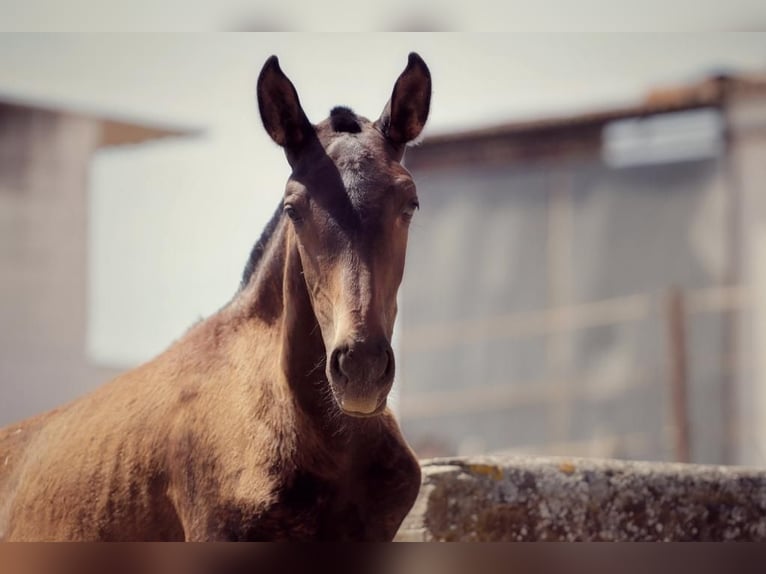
x: 365, y: 415
x: 360, y: 407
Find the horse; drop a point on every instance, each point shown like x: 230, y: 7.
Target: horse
x: 268, y: 420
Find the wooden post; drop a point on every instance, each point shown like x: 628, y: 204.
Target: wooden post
x: 678, y: 371
x: 732, y: 380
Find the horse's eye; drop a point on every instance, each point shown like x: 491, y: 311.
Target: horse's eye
x: 292, y: 213
x: 409, y: 211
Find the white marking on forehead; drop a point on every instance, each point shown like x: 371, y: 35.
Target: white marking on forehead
x: 353, y: 158
x: 350, y: 178
x: 346, y: 146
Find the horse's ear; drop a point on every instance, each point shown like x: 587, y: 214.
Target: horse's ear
x: 406, y: 112
x: 281, y: 111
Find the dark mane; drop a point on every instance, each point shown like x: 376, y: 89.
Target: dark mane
x: 260, y: 246
x: 343, y: 119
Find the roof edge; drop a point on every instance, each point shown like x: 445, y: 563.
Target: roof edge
x: 117, y: 129
x: 712, y: 91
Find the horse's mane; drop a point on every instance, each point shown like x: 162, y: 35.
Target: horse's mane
x: 343, y: 119
x: 260, y: 246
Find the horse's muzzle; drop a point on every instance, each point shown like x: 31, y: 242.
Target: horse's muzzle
x: 361, y: 374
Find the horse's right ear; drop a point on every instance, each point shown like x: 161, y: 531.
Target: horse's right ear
x: 281, y: 111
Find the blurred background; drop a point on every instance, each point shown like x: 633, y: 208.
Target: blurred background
x: 586, y: 276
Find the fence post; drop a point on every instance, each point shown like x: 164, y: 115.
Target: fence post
x: 675, y: 314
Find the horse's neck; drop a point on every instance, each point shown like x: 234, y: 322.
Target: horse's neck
x: 277, y: 297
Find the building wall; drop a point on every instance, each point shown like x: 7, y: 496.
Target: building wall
x: 748, y: 177
x: 43, y: 174
x: 533, y: 312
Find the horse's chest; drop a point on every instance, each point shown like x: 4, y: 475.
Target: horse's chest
x: 315, y: 508
x: 308, y: 507
x: 362, y: 494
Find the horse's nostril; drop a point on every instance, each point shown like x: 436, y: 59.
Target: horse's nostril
x: 364, y: 364
x: 344, y: 363
x: 335, y: 366
x: 390, y: 365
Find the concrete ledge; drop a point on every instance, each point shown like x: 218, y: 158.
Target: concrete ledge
x: 487, y: 499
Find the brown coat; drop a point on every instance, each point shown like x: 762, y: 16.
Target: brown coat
x: 266, y: 421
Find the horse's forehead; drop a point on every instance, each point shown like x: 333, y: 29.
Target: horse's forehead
x: 361, y: 152
x: 362, y: 164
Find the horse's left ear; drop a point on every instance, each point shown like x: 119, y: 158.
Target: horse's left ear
x: 281, y: 111
x: 406, y: 112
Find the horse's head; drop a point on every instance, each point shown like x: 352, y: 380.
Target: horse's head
x: 350, y: 202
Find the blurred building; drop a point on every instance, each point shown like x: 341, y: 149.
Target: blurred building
x: 44, y: 160
x: 588, y: 285
x: 594, y: 284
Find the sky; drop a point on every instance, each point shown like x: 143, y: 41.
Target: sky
x: 349, y: 16
x: 172, y: 222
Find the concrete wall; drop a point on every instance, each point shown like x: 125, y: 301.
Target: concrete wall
x: 43, y: 216
x: 492, y: 499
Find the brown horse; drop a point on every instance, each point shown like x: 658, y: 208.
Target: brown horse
x: 268, y: 420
